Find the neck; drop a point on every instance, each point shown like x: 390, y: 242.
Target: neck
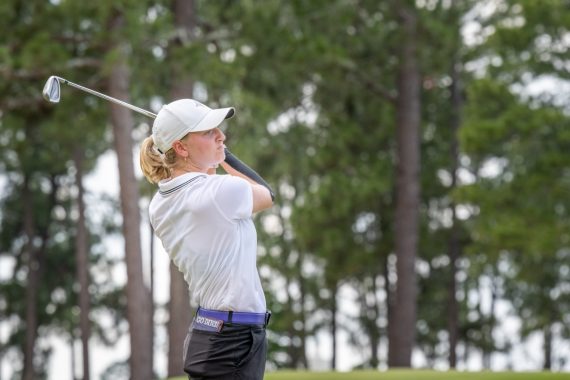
x: 179, y: 170
x: 190, y: 168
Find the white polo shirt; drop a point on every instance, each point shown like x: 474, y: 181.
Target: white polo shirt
x: 205, y: 225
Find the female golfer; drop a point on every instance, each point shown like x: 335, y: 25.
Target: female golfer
x: 204, y: 222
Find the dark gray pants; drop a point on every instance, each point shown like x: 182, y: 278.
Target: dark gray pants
x: 236, y: 352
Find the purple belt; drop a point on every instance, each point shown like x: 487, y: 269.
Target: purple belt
x: 237, y: 317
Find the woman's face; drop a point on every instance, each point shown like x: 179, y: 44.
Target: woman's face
x: 206, y: 148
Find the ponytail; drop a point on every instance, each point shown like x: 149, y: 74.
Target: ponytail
x: 155, y: 166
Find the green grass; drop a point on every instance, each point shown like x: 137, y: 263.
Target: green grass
x: 410, y: 375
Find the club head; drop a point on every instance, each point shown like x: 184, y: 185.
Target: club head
x: 51, y: 91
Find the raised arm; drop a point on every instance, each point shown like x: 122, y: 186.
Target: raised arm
x: 262, y: 194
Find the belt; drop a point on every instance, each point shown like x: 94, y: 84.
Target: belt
x: 237, y: 317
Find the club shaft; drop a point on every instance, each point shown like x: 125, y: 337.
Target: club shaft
x: 109, y: 98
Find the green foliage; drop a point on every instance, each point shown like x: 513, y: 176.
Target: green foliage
x: 521, y: 218
x: 314, y: 86
x: 37, y: 141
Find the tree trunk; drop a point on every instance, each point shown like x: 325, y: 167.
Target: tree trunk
x: 151, y: 270
x: 81, y: 251
x: 30, y: 252
x: 547, y: 366
x: 290, y: 329
x: 297, y: 354
x: 184, y: 12
x: 179, y: 310
x: 454, y: 246
x: 390, y: 291
x: 374, y: 332
x: 334, y: 290
x: 402, y: 329
x: 303, y: 333
x: 138, y: 297
x: 369, y: 306
x: 488, y: 331
x: 72, y: 353
x: 35, y: 255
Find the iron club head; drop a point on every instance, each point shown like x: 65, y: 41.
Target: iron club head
x: 51, y: 91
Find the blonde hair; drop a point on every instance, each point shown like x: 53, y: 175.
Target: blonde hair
x: 156, y: 166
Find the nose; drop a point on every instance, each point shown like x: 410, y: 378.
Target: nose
x: 221, y: 136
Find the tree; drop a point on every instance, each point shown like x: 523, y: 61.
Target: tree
x: 82, y: 249
x: 403, y: 311
x: 138, y: 298
x: 41, y: 175
x: 516, y: 220
x: 182, y: 86
x: 323, y: 90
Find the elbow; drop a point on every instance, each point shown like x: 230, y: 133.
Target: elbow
x: 263, y: 198
x: 269, y: 200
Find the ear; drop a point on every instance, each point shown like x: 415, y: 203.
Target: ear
x: 180, y: 148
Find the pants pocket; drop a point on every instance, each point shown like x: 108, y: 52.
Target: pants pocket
x: 199, y: 351
x: 216, y: 354
x: 256, y: 343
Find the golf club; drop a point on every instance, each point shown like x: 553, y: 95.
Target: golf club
x: 52, y: 93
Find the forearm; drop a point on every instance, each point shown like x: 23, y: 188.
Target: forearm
x: 236, y: 173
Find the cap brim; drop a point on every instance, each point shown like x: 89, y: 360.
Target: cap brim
x: 214, y: 118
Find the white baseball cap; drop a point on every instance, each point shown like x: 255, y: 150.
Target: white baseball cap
x: 182, y: 116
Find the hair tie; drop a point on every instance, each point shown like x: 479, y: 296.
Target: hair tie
x: 157, y: 150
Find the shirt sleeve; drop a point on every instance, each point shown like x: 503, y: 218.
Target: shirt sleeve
x: 234, y: 198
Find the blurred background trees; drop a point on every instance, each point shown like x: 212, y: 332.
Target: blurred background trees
x: 418, y: 150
